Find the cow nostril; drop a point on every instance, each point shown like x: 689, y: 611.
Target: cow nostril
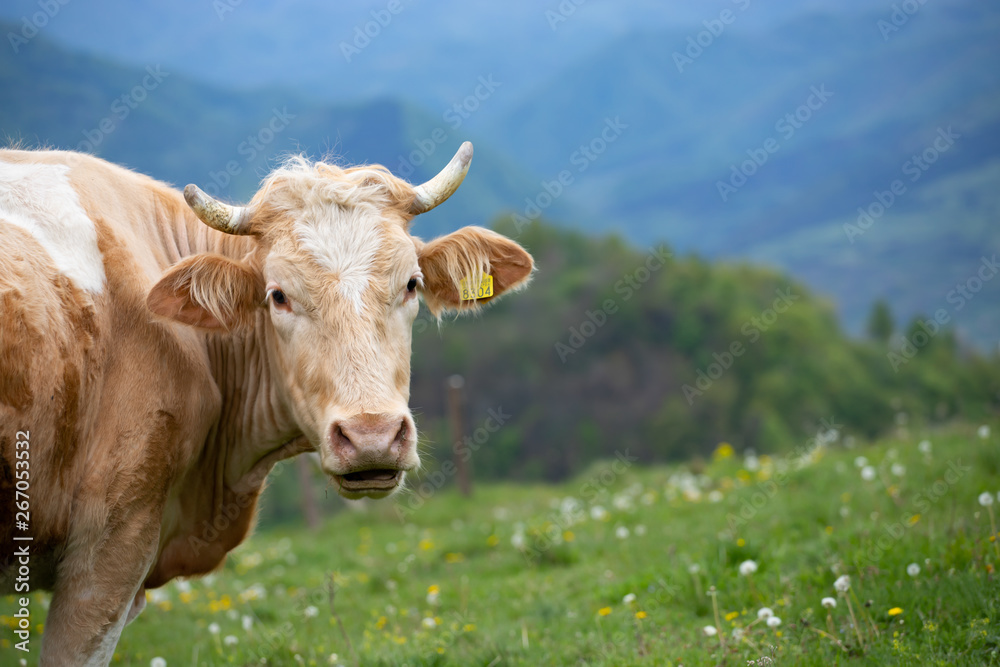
x: 339, y: 440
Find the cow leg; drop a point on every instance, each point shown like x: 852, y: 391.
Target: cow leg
x: 96, y: 589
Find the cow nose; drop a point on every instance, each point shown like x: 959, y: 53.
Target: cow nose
x: 367, y: 440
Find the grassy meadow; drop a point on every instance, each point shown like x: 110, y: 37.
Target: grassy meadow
x: 624, y: 565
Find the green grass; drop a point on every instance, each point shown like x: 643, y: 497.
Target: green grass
x: 558, y: 599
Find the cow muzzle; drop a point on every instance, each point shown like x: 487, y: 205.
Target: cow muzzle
x: 369, y: 454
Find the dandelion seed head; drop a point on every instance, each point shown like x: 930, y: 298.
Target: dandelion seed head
x: 829, y: 603
x: 913, y: 569
x: 748, y: 567
x: 842, y: 584
x: 773, y: 621
x: 710, y: 630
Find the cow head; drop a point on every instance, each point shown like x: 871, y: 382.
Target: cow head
x: 332, y: 281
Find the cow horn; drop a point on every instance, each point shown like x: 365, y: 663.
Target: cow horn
x: 442, y: 186
x: 217, y: 215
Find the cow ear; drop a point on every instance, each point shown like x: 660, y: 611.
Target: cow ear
x: 470, y: 254
x: 208, y: 291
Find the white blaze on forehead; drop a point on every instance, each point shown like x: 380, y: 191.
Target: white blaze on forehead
x: 39, y: 199
x: 346, y: 244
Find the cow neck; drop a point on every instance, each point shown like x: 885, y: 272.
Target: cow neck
x: 256, y: 428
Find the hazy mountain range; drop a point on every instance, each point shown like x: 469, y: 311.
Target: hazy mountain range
x: 731, y: 129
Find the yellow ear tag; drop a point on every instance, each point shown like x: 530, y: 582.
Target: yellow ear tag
x: 485, y: 289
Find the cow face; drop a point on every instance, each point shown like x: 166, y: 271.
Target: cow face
x: 330, y: 289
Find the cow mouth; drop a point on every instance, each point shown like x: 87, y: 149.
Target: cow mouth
x: 375, y: 482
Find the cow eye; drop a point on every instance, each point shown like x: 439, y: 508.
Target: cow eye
x: 279, y: 299
x: 412, y: 285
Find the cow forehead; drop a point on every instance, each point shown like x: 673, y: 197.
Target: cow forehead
x: 357, y: 247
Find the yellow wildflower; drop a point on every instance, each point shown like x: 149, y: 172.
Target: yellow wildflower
x: 895, y: 611
x: 723, y: 451
x: 604, y: 611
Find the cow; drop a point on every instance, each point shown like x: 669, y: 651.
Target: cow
x: 160, y: 352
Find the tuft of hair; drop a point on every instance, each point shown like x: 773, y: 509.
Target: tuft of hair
x: 302, y: 185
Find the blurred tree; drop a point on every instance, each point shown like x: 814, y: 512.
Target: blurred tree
x: 880, y: 324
